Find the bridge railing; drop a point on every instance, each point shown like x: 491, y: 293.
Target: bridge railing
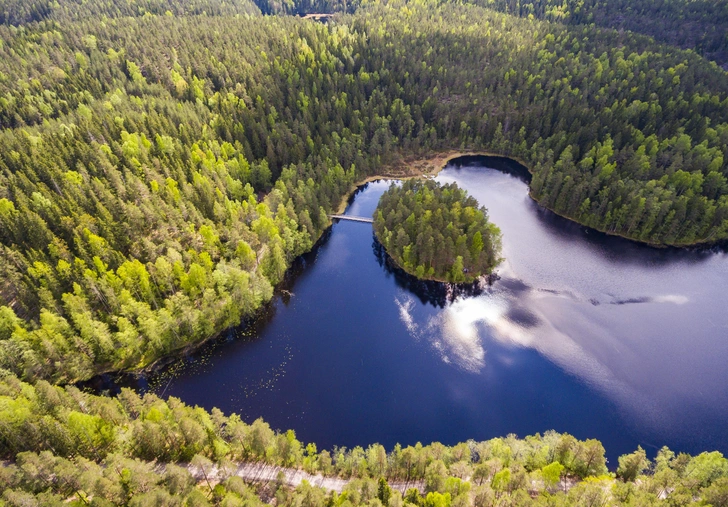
x: 353, y: 218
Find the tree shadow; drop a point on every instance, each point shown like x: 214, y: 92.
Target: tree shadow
x: 438, y: 294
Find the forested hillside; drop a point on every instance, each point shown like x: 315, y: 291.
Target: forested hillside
x: 159, y: 173
x: 162, y: 163
x: 701, y: 25
x: 19, y: 12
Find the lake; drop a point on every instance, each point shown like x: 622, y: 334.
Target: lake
x: 584, y: 333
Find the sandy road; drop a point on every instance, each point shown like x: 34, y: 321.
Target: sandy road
x: 263, y: 473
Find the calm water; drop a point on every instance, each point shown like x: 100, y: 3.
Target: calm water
x: 585, y: 334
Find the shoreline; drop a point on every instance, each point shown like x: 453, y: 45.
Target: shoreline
x: 424, y: 166
x: 405, y: 168
x: 436, y: 162
x: 417, y: 167
x: 485, y: 278
x: 699, y: 245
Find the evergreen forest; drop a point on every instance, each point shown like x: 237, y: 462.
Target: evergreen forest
x: 163, y: 162
x: 437, y: 231
x: 699, y: 25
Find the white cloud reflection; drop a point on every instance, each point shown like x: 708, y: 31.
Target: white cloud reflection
x: 547, y: 321
x: 455, y: 331
x: 671, y: 298
x: 405, y: 305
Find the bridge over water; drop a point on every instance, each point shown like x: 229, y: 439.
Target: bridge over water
x: 353, y: 218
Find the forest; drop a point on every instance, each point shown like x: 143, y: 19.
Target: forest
x: 436, y: 231
x: 159, y: 172
x: 162, y: 163
x: 700, y: 25
x: 75, y: 448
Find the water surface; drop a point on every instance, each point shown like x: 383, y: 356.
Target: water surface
x: 584, y: 333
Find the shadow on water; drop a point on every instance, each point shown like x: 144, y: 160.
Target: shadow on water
x: 111, y: 384
x: 356, y: 193
x: 503, y: 164
x: 437, y: 294
x: 613, y: 248
x: 617, y: 249
x: 248, y: 330
x: 299, y: 267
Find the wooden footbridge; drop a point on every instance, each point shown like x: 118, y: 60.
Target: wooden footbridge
x: 353, y: 218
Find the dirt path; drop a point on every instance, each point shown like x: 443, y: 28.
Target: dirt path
x: 262, y: 473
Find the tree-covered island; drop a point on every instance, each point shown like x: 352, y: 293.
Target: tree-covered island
x: 437, y: 231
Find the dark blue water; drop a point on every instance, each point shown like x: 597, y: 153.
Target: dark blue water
x: 585, y: 334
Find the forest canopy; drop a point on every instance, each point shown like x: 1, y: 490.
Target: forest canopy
x: 437, y: 231
x: 701, y: 25
x: 160, y: 168
x: 163, y: 162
